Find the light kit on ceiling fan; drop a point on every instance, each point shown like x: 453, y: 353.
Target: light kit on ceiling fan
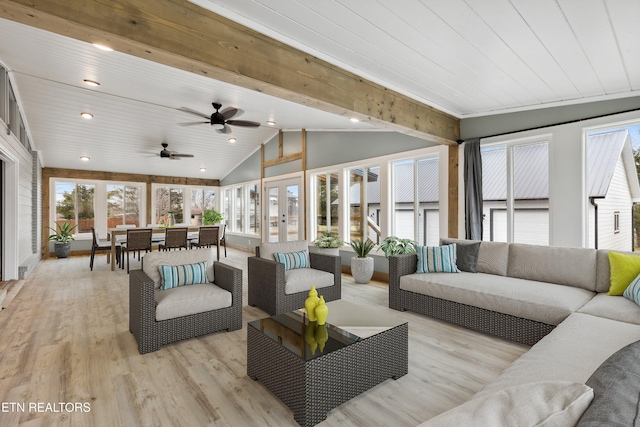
x: 220, y: 120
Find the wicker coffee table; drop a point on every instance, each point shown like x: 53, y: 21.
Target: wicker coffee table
x: 358, y: 348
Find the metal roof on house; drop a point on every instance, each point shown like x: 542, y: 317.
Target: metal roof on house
x: 531, y: 168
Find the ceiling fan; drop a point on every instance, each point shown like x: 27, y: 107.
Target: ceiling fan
x: 220, y: 119
x: 166, y: 154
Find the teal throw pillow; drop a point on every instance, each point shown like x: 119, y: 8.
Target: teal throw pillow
x: 633, y: 290
x: 182, y: 275
x: 293, y: 260
x: 437, y: 259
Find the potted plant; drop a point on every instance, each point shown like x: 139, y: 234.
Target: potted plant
x: 393, y: 245
x: 62, y: 238
x: 211, y: 216
x: 329, y: 243
x: 362, y: 265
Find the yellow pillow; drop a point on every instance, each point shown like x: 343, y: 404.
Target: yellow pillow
x: 624, y: 268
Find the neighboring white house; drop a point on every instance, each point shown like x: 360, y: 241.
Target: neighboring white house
x: 613, y: 188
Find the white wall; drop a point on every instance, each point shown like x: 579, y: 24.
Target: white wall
x: 567, y: 194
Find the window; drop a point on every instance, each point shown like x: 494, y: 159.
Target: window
x: 325, y: 203
x: 515, y: 186
x: 616, y: 222
x: 226, y: 206
x: 75, y: 205
x: 364, y: 203
x: 416, y: 200
x: 239, y: 196
x: 253, y: 193
x: 169, y: 199
x: 202, y: 199
x: 123, y: 205
x: 241, y: 208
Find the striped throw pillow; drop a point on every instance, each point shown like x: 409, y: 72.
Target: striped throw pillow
x: 633, y: 290
x: 293, y: 260
x: 181, y: 275
x: 437, y: 259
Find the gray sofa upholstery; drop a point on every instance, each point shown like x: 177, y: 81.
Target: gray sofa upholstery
x: 560, y: 291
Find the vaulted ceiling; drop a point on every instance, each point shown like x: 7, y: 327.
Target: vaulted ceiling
x: 466, y: 58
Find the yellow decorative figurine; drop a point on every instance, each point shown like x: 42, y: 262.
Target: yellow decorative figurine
x: 321, y: 311
x: 311, y: 303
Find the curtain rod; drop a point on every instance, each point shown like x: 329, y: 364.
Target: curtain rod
x: 460, y: 141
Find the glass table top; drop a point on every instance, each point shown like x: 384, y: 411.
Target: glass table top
x: 347, y: 323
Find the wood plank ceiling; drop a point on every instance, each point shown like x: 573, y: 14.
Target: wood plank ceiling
x: 464, y: 57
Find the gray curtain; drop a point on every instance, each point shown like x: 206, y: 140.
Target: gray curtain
x: 473, y: 189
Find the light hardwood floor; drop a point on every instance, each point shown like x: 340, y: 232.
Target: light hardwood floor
x: 65, y: 338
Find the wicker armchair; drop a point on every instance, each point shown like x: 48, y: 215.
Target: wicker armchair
x: 267, y: 279
x: 144, y: 290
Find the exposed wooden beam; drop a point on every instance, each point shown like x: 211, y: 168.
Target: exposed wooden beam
x: 183, y: 35
x: 453, y: 191
x: 280, y: 160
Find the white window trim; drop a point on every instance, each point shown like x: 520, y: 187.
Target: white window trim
x: 232, y: 208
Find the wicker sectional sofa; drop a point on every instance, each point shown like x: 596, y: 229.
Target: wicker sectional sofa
x: 553, y: 299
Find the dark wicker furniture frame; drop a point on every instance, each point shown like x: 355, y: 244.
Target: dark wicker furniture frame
x: 502, y: 325
x: 174, y: 238
x: 312, y: 388
x: 266, y: 283
x: 151, y: 334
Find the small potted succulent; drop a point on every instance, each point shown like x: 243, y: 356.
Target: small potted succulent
x: 328, y: 243
x: 393, y: 245
x: 62, y: 238
x: 362, y: 264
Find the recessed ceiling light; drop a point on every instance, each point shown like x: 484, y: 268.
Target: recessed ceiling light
x: 103, y: 47
x: 91, y: 82
x: 354, y: 119
x: 85, y: 158
x: 203, y: 169
x: 271, y: 123
x: 232, y: 140
x: 87, y: 115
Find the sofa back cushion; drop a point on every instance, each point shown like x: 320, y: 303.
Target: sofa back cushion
x: 564, y: 266
x: 493, y: 258
x: 268, y: 249
x: 603, y: 269
x: 153, y: 260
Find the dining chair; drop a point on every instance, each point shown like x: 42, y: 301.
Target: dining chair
x: 137, y: 240
x: 101, y: 245
x: 175, y: 238
x: 207, y: 237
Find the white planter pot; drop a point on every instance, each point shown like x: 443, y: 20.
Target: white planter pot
x: 329, y: 251
x: 362, y: 269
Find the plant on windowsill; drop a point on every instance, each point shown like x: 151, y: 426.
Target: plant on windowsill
x: 328, y: 243
x: 211, y: 217
x: 393, y: 245
x: 362, y: 264
x: 62, y: 238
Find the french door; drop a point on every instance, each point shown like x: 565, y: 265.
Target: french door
x: 283, y: 211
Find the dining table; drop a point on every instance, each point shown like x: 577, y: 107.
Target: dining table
x: 113, y: 233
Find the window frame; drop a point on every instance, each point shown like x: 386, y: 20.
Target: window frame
x: 229, y: 208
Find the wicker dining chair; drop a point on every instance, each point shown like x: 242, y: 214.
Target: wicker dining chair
x: 137, y: 240
x: 207, y: 237
x: 101, y: 245
x: 174, y: 238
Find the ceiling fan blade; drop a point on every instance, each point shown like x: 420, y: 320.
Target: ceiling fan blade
x: 225, y: 129
x: 243, y: 123
x: 192, y: 123
x: 197, y: 113
x: 181, y: 155
x: 229, y: 112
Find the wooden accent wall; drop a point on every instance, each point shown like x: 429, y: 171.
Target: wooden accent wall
x: 453, y: 191
x: 183, y: 35
x: 48, y: 173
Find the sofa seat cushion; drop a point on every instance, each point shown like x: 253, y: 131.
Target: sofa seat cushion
x: 539, y: 301
x: 153, y: 260
x: 545, y: 403
x: 301, y: 280
x: 612, y: 307
x: 571, y: 352
x: 187, y: 300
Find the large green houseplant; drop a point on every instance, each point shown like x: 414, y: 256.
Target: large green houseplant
x: 211, y: 216
x: 362, y: 265
x: 62, y: 238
